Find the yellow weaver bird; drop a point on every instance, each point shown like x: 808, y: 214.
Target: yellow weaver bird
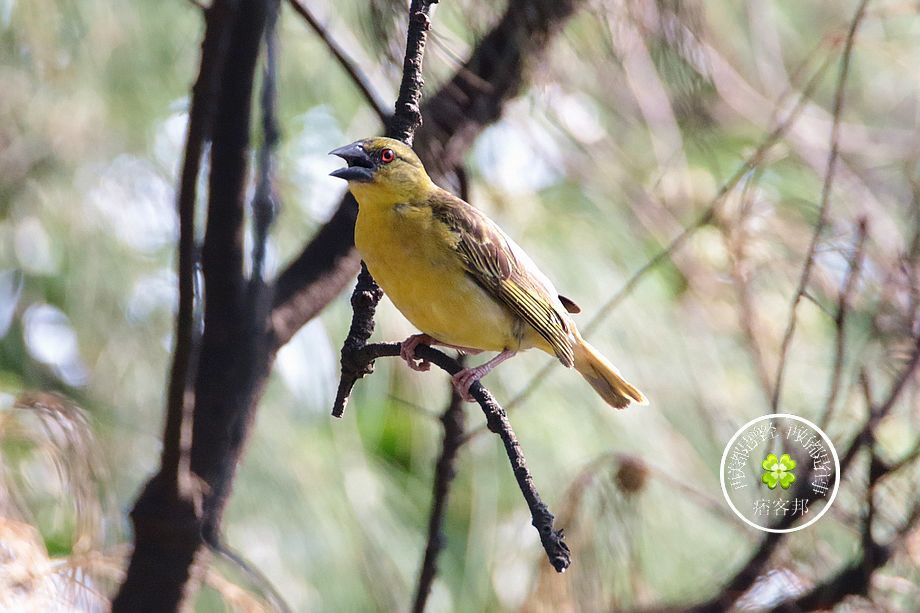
x: 456, y: 276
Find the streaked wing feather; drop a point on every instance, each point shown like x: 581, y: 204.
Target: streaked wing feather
x: 490, y: 260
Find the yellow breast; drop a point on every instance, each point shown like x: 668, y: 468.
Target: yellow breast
x: 411, y: 255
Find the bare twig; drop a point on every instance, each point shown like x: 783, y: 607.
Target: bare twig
x: 736, y: 240
x: 444, y: 472
x: 901, y: 381
x: 893, y: 467
x: 364, y: 305
x: 265, y: 587
x: 840, y: 319
x: 825, y: 201
x: 497, y: 420
x: 265, y: 201
x: 354, y: 70
x: 408, y: 116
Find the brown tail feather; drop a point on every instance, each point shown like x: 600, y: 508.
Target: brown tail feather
x: 604, y: 377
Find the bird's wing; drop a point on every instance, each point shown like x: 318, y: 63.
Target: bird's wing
x: 502, y: 268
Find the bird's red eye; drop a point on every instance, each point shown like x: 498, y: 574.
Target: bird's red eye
x: 387, y: 156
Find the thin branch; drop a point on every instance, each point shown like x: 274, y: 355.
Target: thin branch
x: 825, y: 200
x: 265, y: 587
x: 354, y: 70
x: 265, y: 203
x: 840, y: 320
x: 444, y: 472
x: 901, y: 381
x: 913, y: 454
x: 408, y: 116
x: 821, y: 307
x: 497, y: 419
x: 735, y: 241
x: 364, y: 300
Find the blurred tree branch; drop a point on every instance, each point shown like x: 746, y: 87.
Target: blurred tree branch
x: 232, y: 359
x: 840, y: 318
x: 452, y: 419
x: 826, y: 190
x: 167, y: 512
x: 349, y: 65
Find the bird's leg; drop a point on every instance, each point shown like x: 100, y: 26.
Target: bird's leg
x: 468, y: 376
x: 407, y: 351
x: 466, y: 350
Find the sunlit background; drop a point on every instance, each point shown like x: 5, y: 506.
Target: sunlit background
x: 640, y: 112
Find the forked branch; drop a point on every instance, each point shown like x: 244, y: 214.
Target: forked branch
x: 358, y: 357
x: 497, y: 421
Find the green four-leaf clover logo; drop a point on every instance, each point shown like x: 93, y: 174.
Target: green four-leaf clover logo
x: 778, y: 471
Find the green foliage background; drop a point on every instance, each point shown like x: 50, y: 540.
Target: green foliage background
x: 623, y: 138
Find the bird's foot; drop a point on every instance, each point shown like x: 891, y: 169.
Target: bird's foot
x: 465, y: 378
x: 407, y: 351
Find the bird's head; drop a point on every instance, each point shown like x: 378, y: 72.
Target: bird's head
x: 382, y: 167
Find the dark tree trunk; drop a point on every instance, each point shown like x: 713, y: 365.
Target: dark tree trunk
x: 170, y: 525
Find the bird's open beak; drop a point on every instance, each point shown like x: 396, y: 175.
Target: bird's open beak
x: 360, y: 166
